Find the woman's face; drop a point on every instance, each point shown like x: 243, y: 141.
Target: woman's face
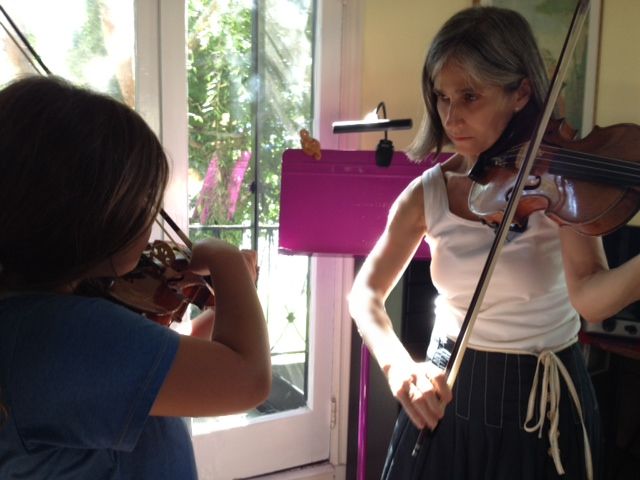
x: 474, y: 115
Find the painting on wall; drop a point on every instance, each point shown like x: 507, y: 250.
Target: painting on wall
x: 550, y: 21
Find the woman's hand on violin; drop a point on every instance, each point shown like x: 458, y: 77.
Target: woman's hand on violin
x: 422, y: 390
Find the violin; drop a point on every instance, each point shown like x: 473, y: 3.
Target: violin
x: 590, y: 184
x: 160, y: 287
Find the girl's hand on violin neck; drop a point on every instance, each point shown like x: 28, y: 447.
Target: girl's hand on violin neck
x: 233, y: 275
x: 214, y: 257
x: 422, y: 390
x: 211, y: 254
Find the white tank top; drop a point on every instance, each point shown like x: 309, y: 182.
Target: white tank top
x: 526, y: 304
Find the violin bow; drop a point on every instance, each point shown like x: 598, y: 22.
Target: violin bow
x: 175, y: 227
x: 460, y: 345
x: 30, y: 54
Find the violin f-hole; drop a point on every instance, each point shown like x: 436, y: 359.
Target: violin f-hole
x: 533, y: 183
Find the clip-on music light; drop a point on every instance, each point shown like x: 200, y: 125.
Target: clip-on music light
x: 372, y: 123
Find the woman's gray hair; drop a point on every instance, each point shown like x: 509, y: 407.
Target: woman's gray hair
x: 495, y: 46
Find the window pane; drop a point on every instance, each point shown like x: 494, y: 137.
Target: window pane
x: 250, y: 82
x: 90, y: 42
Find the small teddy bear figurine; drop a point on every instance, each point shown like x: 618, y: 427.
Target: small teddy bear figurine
x: 310, y: 145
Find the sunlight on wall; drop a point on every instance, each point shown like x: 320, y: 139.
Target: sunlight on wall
x: 618, y: 97
x: 618, y: 91
x: 396, y: 37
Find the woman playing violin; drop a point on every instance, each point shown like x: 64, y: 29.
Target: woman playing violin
x: 88, y: 388
x: 483, y: 70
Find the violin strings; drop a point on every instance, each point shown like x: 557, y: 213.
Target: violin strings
x: 599, y: 160
x: 587, y: 162
x: 616, y: 171
x: 585, y: 166
x: 594, y: 172
x: 582, y: 156
x: 593, y: 159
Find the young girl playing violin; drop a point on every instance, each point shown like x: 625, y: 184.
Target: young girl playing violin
x: 483, y: 70
x: 88, y: 388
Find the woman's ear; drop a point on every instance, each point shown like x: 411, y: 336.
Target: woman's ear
x: 522, y: 95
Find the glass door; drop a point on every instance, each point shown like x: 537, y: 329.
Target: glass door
x: 249, y: 72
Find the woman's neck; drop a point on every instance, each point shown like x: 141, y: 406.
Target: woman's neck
x: 459, y: 164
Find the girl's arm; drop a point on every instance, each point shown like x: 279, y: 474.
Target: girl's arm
x: 202, y: 325
x: 231, y: 372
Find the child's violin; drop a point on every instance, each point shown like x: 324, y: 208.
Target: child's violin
x: 592, y: 184
x: 160, y: 287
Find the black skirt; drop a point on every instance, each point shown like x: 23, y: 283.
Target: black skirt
x: 482, y: 435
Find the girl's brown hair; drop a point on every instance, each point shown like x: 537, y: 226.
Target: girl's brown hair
x: 81, y: 175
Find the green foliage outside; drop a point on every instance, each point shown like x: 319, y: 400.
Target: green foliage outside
x: 249, y: 95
